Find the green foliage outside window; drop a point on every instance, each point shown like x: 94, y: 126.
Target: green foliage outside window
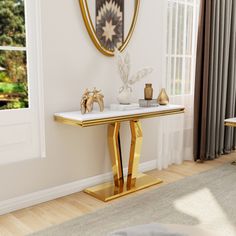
x: 13, y: 63
x: 12, y: 23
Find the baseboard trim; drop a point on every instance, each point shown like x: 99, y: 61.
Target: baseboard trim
x: 35, y: 198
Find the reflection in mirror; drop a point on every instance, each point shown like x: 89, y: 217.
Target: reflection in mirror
x: 110, y: 22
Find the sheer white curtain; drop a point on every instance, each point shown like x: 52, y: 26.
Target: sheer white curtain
x: 175, y: 136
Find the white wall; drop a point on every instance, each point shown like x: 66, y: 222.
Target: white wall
x: 72, y: 63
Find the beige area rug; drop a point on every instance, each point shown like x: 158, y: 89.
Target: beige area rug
x: 204, y: 201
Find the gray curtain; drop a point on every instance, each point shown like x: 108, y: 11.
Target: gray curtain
x: 215, y: 83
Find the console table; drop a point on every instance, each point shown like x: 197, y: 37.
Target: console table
x: 231, y: 122
x: 134, y: 181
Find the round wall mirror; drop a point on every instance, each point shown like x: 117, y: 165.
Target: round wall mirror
x: 110, y: 23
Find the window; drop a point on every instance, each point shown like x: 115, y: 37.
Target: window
x: 13, y: 61
x: 182, y: 24
x: 21, y: 110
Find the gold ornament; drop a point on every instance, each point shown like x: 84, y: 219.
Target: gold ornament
x: 89, y: 98
x: 163, y: 98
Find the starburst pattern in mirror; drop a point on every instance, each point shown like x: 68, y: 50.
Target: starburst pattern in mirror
x: 110, y: 23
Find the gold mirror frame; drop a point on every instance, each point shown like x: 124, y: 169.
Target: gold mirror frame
x: 92, y: 33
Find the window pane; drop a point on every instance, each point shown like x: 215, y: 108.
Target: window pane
x: 172, y: 75
x: 190, y: 1
x: 13, y: 80
x: 168, y: 29
x: 181, y: 36
x: 178, y: 76
x: 174, y: 9
x: 188, y: 75
x: 12, y: 23
x: 180, y: 30
x: 189, y: 31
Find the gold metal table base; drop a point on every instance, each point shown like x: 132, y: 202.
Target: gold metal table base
x: 134, y: 181
x: 231, y: 124
x: 108, y: 191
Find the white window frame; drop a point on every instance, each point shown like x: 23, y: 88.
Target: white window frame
x: 171, y: 56
x: 32, y: 117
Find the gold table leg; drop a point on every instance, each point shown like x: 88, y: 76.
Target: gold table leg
x: 135, y: 181
x: 115, y: 154
x: 135, y: 151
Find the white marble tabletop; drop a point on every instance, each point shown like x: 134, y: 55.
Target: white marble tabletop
x: 108, y: 113
x: 231, y: 120
x: 110, y: 116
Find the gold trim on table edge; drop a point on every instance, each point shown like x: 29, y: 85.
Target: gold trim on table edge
x: 230, y: 124
x: 110, y: 120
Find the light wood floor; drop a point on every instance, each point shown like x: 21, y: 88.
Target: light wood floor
x: 54, y: 212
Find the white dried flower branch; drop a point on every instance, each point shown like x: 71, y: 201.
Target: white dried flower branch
x: 140, y: 75
x: 124, y: 66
